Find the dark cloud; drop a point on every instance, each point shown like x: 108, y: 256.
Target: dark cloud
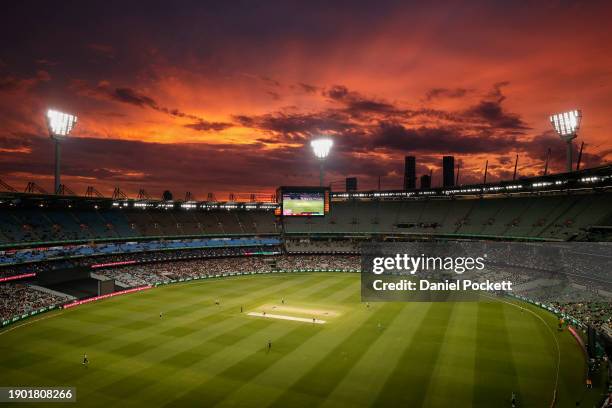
x: 505, y: 160
x: 296, y: 126
x: 15, y: 142
x: 113, y: 114
x: 205, y: 126
x: 358, y: 106
x: 263, y: 78
x: 136, y: 98
x: 436, y: 93
x: 133, y: 97
x: 128, y: 95
x: 441, y: 140
x: 337, y: 92
x: 435, y: 114
x: 493, y: 114
x: 496, y: 93
x: 308, y: 88
x: 274, y: 95
x: 270, y: 81
x: 355, y: 104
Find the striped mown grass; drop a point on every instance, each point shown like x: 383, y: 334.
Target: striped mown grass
x: 202, y: 354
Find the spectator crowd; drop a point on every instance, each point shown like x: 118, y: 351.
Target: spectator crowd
x: 17, y: 299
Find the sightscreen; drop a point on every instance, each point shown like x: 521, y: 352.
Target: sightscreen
x: 303, y: 203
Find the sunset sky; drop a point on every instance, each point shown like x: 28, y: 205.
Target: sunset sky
x: 225, y: 96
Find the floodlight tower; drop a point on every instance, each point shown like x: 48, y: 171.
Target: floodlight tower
x: 321, y: 148
x: 566, y: 125
x: 60, y: 124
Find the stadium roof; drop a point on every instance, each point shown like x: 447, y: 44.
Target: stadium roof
x: 595, y: 178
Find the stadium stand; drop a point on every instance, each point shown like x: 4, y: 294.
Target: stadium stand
x: 29, y: 255
x: 559, y: 217
x: 163, y: 272
x: 322, y: 246
x: 39, y: 225
x: 566, y: 207
x: 17, y: 299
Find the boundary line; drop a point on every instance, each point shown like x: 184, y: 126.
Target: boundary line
x: 552, y: 333
x: 30, y: 321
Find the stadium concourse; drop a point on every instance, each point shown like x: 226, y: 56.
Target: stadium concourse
x: 57, y: 252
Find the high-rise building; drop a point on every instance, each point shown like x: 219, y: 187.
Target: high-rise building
x: 351, y: 184
x: 425, y: 181
x: 409, y: 173
x: 448, y: 171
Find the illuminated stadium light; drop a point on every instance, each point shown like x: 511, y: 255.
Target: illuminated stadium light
x: 321, y: 148
x: 166, y: 205
x: 592, y: 179
x: 542, y: 184
x: 566, y: 125
x: 60, y: 125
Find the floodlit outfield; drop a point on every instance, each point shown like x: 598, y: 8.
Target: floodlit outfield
x: 200, y: 354
x: 304, y: 206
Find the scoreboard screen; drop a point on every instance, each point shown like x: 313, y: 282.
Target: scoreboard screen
x: 307, y: 202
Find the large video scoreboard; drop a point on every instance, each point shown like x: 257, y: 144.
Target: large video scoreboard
x: 303, y: 201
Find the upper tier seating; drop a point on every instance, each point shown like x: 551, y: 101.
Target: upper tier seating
x: 558, y: 217
x: 22, y: 225
x: 547, y: 217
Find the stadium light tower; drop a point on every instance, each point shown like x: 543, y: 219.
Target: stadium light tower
x: 321, y: 148
x: 60, y: 124
x: 566, y: 125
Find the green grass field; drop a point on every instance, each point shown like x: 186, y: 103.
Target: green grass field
x: 303, y: 206
x: 201, y: 354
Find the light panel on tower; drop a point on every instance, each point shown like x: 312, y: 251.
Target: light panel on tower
x: 566, y: 123
x: 60, y: 123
